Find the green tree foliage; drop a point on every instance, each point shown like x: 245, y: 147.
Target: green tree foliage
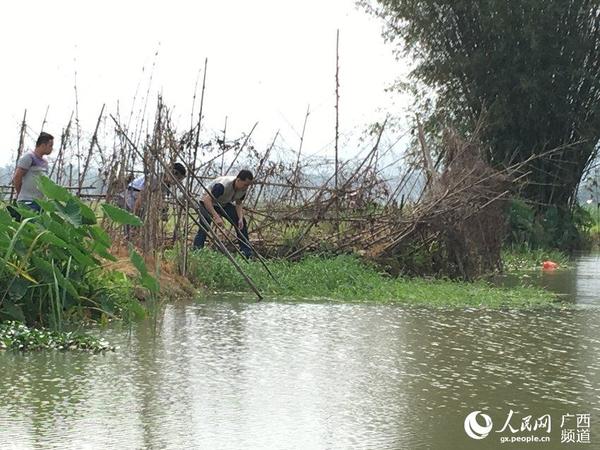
x: 532, y: 65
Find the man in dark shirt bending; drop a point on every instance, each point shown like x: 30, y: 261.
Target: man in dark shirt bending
x: 225, y: 192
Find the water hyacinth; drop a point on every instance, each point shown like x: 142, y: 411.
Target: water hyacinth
x: 16, y: 336
x: 524, y: 259
x: 347, y: 278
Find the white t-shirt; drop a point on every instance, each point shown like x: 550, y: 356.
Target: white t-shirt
x: 138, y: 183
x: 35, y: 167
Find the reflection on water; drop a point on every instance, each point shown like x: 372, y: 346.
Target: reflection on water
x: 239, y: 374
x: 587, y: 279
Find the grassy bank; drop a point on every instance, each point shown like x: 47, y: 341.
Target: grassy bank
x: 347, y: 278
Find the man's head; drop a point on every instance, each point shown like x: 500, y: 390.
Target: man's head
x: 179, y: 171
x: 243, y: 180
x: 44, y: 143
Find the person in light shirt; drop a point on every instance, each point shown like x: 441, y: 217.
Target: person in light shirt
x: 219, y: 204
x: 134, y: 197
x: 30, y: 167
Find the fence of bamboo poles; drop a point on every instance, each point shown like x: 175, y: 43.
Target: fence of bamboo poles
x: 373, y: 203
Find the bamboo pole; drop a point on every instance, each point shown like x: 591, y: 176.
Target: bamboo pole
x: 224, y: 141
x: 142, y: 118
x: 241, y: 148
x: 258, y: 173
x: 337, y: 116
x: 19, y: 151
x: 45, y: 118
x: 297, y: 168
x: 77, y: 130
x: 59, y: 161
x: 197, y: 143
x: 90, y: 151
x: 189, y: 185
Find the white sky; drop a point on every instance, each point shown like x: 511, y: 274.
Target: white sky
x: 267, y: 61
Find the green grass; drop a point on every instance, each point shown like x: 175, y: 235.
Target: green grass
x: 594, y: 231
x: 347, y: 278
x: 516, y: 260
x: 592, y: 228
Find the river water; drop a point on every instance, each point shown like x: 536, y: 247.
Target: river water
x: 233, y: 373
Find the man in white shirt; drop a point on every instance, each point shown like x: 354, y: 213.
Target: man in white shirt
x: 225, y: 192
x: 133, y: 196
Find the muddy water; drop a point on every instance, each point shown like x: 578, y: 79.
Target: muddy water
x: 233, y: 373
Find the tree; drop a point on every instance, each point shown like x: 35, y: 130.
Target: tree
x: 532, y: 65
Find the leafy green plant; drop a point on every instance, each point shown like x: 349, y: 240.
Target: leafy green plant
x: 150, y: 283
x: 551, y: 228
x: 50, y: 260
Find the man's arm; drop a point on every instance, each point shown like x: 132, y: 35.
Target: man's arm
x: 239, y: 209
x: 216, y: 191
x: 23, y: 165
x: 210, y: 207
x: 138, y: 202
x: 18, y: 179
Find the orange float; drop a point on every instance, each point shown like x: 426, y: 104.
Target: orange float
x: 549, y: 265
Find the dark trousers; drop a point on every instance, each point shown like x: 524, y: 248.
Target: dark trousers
x: 229, y: 213
x: 31, y: 204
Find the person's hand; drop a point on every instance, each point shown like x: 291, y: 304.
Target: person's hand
x: 241, y: 224
x: 218, y: 220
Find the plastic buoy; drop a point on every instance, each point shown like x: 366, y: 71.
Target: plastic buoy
x: 549, y: 265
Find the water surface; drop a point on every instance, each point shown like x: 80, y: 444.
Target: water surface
x: 233, y: 373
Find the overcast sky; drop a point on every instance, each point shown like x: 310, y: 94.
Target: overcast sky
x: 267, y: 61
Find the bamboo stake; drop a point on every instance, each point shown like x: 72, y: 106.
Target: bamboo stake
x: 337, y: 116
x: 258, y: 173
x: 184, y: 250
x: 241, y: 149
x: 91, y: 149
x: 201, y: 106
x: 77, y: 130
x: 19, y: 151
x: 45, y: 118
x: 59, y: 160
x: 224, y: 141
x: 297, y: 169
x: 142, y: 118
